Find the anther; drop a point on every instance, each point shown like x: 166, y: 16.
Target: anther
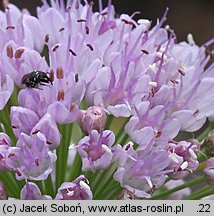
x: 158, y: 48
x: 72, y: 52
x: 55, y: 48
x: 104, y: 13
x: 15, y: 126
x: 72, y: 106
x: 59, y: 73
x: 76, y: 78
x: 48, y: 142
x: 35, y: 132
x: 11, y: 155
x: 61, y: 95
x: 62, y: 29
x: 10, y: 27
x: 9, y: 51
x: 128, y: 22
x: 68, y: 9
x: 18, y: 53
x: 158, y: 134
x: 18, y: 173
x: 81, y: 20
x: 52, y: 75
x: 90, y: 47
x: 181, y: 72
x: 128, y: 146
x: 46, y: 38
x: 37, y: 162
x: 3, y: 142
x: 174, y: 81
x: 87, y: 30
x: 145, y: 51
x: 196, y: 112
x: 126, y: 43
x: 153, y: 91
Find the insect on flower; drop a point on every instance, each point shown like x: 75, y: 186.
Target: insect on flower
x: 32, y: 79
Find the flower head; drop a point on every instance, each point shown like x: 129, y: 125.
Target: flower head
x: 31, y: 158
x: 76, y: 190
x: 139, y: 173
x: 183, y: 159
x: 96, y: 150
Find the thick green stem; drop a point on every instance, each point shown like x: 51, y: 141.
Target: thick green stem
x: 62, y: 153
x: 121, y: 133
x: 105, y: 179
x: 59, y: 153
x: 48, y: 184
x: 5, y: 120
x: 114, y: 193
x: 11, y: 185
x: 109, y: 122
x: 190, y: 183
x: 205, y: 133
x: 107, y: 190
x: 76, y: 168
x: 203, y: 192
x: 40, y: 185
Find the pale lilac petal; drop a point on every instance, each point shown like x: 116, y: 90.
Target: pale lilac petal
x: 6, y: 91
x: 23, y: 120
x: 34, y: 30
x: 48, y: 127
x: 32, y: 192
x: 120, y: 110
x: 189, y: 122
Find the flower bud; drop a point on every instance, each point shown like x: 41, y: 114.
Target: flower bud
x: 94, y: 118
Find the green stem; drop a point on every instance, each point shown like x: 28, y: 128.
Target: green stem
x: 105, y: 179
x: 62, y: 155
x: 58, y: 167
x: 49, y: 190
x: 13, y: 101
x: 106, y: 190
x: 5, y: 119
x: 203, y: 192
x: 114, y: 193
x: 76, y: 168
x: 121, y: 133
x: 40, y: 185
x: 190, y: 183
x: 11, y: 185
x: 205, y: 133
x: 109, y: 122
x: 65, y: 149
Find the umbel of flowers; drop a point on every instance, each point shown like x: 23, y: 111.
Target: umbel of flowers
x: 94, y: 106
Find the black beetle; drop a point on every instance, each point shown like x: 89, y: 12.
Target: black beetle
x: 32, y: 79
